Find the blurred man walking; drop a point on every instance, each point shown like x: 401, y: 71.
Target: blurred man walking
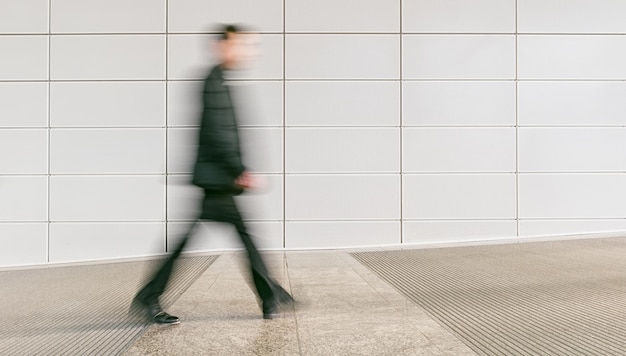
x: 219, y: 170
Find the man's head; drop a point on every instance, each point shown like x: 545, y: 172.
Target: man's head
x: 235, y: 47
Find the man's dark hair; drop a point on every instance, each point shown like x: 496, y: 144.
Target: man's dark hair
x: 229, y: 30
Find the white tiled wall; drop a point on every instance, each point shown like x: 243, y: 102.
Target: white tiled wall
x: 567, y: 149
x: 574, y: 195
x: 32, y: 145
x: 23, y: 104
x: 342, y: 103
x: 371, y: 122
x: 24, y: 198
x: 572, y: 57
x: 450, y: 16
x: 344, y: 150
x: 128, y: 104
x: 450, y: 149
x: 342, y: 16
x: 107, y: 198
x: 107, y: 57
x: 458, y: 56
x: 128, y: 151
x: 200, y: 15
x: 437, y: 231
x: 337, y: 197
x: 24, y: 16
x: 315, y: 234
x: 96, y: 241
x: 342, y: 56
x: 458, y: 103
x: 572, y: 103
x: 24, y: 58
x: 105, y: 16
x: 459, y: 196
x: 23, y: 243
x: 572, y: 16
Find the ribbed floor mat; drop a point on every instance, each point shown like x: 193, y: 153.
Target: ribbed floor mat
x: 80, y: 310
x: 556, y: 298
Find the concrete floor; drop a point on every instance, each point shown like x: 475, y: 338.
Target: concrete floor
x: 511, y: 299
x: 345, y: 310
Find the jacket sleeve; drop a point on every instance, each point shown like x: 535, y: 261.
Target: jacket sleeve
x: 219, y: 130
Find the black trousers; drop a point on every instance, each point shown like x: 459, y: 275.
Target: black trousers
x: 219, y: 207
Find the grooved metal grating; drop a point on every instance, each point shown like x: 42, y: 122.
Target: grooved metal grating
x: 550, y: 298
x: 81, y: 310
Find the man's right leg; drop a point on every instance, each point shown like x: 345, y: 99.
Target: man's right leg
x: 270, y: 292
x: 148, y: 297
x: 221, y: 207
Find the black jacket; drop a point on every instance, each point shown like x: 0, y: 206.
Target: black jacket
x: 218, y: 162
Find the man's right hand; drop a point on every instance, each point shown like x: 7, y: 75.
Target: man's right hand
x: 245, y: 180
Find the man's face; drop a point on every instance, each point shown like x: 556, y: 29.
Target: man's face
x: 238, y: 50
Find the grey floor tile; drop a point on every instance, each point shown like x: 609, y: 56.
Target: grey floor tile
x: 361, y: 333
x: 221, y: 337
x: 343, y: 309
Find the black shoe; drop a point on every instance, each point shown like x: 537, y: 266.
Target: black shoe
x: 157, y: 315
x: 270, y: 311
x: 165, y: 318
x: 152, y: 312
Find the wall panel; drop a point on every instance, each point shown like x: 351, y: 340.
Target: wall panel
x: 370, y: 123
